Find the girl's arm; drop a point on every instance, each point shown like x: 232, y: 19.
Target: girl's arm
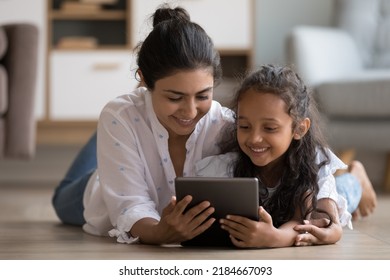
x: 315, y: 231
x: 247, y: 233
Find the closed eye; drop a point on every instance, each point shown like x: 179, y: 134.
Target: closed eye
x: 179, y: 98
x: 270, y: 129
x: 175, y: 99
x: 202, y: 97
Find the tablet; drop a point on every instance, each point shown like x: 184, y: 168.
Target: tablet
x: 236, y: 196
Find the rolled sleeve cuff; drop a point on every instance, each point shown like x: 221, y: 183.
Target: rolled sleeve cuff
x: 124, y: 225
x: 122, y: 237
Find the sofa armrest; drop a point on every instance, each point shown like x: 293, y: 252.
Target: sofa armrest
x: 320, y: 54
x: 21, y: 64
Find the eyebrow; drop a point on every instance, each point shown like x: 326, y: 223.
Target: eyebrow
x: 265, y: 119
x: 183, y: 93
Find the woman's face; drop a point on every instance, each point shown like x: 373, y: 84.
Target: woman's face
x: 264, y: 129
x: 182, y: 99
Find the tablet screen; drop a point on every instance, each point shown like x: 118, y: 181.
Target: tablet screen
x: 235, y: 196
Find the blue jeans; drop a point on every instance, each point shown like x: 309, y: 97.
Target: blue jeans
x: 68, y: 196
x: 349, y: 187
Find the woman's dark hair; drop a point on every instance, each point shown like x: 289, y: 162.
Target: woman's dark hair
x: 175, y: 44
x: 299, y: 181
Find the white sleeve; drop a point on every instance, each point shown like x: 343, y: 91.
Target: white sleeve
x: 216, y: 166
x: 327, y: 189
x: 121, y: 174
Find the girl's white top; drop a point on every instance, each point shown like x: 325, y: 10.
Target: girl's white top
x: 135, y: 175
x: 220, y: 166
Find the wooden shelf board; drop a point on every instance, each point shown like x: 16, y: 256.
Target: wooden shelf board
x: 101, y: 15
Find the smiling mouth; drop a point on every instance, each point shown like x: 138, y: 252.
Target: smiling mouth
x: 185, y: 122
x: 258, y: 150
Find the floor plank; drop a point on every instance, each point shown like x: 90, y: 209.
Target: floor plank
x: 30, y: 230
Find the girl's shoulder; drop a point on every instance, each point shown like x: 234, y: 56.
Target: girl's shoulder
x: 334, y: 163
x: 216, y: 166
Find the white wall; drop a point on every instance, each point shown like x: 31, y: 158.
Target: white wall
x: 275, y: 18
x: 30, y: 11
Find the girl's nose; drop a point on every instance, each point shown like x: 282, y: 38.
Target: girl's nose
x: 255, y: 137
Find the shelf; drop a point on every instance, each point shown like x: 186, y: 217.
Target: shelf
x: 94, y: 27
x: 101, y: 15
x: 101, y: 48
x: 100, y: 29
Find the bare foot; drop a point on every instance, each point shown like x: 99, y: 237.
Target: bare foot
x: 368, y: 201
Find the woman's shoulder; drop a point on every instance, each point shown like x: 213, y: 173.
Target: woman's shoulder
x: 133, y: 98
x: 127, y: 104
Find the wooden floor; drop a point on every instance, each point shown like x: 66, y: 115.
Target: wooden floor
x: 30, y: 230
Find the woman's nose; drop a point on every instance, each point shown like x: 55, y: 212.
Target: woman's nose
x: 190, y: 109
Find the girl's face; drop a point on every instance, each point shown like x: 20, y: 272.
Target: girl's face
x: 182, y: 99
x: 264, y: 129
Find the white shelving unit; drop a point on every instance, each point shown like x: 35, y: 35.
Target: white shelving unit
x: 81, y: 80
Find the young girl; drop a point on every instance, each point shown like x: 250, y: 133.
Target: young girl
x: 279, y: 142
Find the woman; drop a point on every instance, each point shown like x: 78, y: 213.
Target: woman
x: 147, y: 138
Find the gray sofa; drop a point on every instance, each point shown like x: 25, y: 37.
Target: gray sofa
x: 18, y: 67
x: 348, y: 67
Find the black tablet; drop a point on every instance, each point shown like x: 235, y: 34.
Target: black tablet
x: 236, y: 196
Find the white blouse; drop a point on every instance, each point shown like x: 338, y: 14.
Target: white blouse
x: 135, y: 175
x: 220, y: 166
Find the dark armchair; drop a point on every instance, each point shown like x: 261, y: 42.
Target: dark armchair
x: 18, y: 67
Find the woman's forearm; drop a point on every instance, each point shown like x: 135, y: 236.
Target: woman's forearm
x: 146, y: 230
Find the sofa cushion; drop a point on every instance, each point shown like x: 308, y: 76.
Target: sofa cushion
x: 372, y: 135
x: 322, y: 54
x: 365, y: 95
x: 3, y: 42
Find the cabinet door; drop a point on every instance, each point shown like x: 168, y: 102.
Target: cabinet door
x: 82, y: 82
x: 228, y: 22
